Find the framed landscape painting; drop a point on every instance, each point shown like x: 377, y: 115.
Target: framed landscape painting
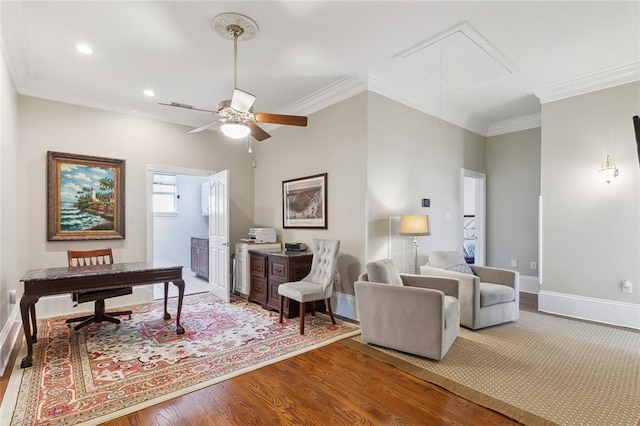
x: 85, y: 197
x: 304, y: 202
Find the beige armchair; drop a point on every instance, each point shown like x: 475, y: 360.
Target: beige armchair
x: 318, y: 284
x: 410, y: 313
x: 488, y: 296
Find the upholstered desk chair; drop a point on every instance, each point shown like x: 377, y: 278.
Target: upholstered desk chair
x: 411, y: 313
x: 488, y: 296
x: 318, y: 284
x: 88, y: 258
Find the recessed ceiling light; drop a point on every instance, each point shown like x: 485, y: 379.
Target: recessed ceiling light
x: 84, y: 49
x: 149, y: 93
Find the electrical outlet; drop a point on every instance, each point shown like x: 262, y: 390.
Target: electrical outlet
x: 534, y: 265
x: 627, y: 287
x: 12, y: 297
x: 514, y: 263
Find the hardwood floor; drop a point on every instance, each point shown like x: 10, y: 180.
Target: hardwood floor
x: 332, y: 385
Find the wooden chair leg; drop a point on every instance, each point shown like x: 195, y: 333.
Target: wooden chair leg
x: 302, y: 305
x: 333, y: 320
x: 281, y: 307
x: 313, y: 308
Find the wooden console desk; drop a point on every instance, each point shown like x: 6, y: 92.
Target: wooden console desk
x: 50, y: 281
x: 270, y: 269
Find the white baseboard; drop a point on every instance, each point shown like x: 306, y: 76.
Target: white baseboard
x: 53, y: 306
x: 529, y: 284
x: 589, y: 308
x: 8, y: 336
x: 344, y: 305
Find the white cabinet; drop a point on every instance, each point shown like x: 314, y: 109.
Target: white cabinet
x: 241, y: 284
x: 205, y: 197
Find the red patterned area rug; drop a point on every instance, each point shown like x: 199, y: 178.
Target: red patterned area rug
x: 102, y: 373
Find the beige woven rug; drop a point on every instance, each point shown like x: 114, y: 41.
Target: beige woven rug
x: 541, y: 369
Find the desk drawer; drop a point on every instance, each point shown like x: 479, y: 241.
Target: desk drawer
x: 279, y: 271
x: 257, y: 265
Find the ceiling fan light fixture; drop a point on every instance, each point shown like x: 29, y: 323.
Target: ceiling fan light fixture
x: 235, y: 130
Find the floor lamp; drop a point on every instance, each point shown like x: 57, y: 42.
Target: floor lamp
x: 414, y: 225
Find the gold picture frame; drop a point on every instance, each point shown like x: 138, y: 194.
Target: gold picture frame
x: 304, y: 202
x: 85, y: 197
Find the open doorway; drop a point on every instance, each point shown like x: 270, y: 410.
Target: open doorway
x: 177, y: 218
x: 473, y: 216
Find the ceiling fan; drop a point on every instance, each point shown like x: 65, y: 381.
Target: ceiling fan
x: 237, y: 119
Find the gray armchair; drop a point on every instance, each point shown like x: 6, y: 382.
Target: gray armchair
x: 406, y: 312
x: 488, y: 296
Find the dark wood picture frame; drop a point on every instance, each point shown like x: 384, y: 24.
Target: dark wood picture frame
x: 85, y: 197
x: 304, y: 202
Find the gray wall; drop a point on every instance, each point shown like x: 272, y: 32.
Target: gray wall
x: 513, y: 189
x: 335, y: 143
x: 407, y: 160
x: 375, y: 170
x: 52, y: 126
x: 591, y: 229
x: 9, y: 270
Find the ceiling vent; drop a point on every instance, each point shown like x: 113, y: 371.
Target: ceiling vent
x: 459, y: 57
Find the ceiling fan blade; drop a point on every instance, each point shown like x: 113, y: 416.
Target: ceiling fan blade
x: 290, y: 120
x: 241, y: 100
x: 204, y: 127
x: 257, y: 133
x: 185, y: 106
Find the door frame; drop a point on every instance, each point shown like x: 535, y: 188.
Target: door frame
x: 480, y: 213
x: 161, y: 168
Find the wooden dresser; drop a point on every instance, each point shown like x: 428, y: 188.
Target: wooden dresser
x: 269, y: 270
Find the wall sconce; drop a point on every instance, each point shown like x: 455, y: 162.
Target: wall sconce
x: 609, y: 171
x: 414, y: 225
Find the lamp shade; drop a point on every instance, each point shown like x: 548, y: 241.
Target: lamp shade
x: 235, y: 130
x: 414, y: 224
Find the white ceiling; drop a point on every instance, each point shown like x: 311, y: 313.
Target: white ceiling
x: 485, y: 66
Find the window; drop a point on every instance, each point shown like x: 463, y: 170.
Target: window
x: 165, y: 194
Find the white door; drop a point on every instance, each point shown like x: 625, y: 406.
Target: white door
x: 219, y: 235
x: 476, y: 205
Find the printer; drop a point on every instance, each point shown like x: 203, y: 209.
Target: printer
x: 262, y: 235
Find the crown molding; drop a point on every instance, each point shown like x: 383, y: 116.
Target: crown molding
x: 108, y: 103
x: 586, y: 83
x: 336, y: 92
x: 386, y: 88
x: 515, y: 124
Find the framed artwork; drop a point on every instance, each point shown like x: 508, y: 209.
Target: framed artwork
x: 85, y: 197
x: 304, y: 202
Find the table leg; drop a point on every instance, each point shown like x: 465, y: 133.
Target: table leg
x: 34, y: 323
x: 167, y: 315
x: 27, y: 307
x: 180, y: 284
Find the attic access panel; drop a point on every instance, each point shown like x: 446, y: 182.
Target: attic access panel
x: 459, y: 57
